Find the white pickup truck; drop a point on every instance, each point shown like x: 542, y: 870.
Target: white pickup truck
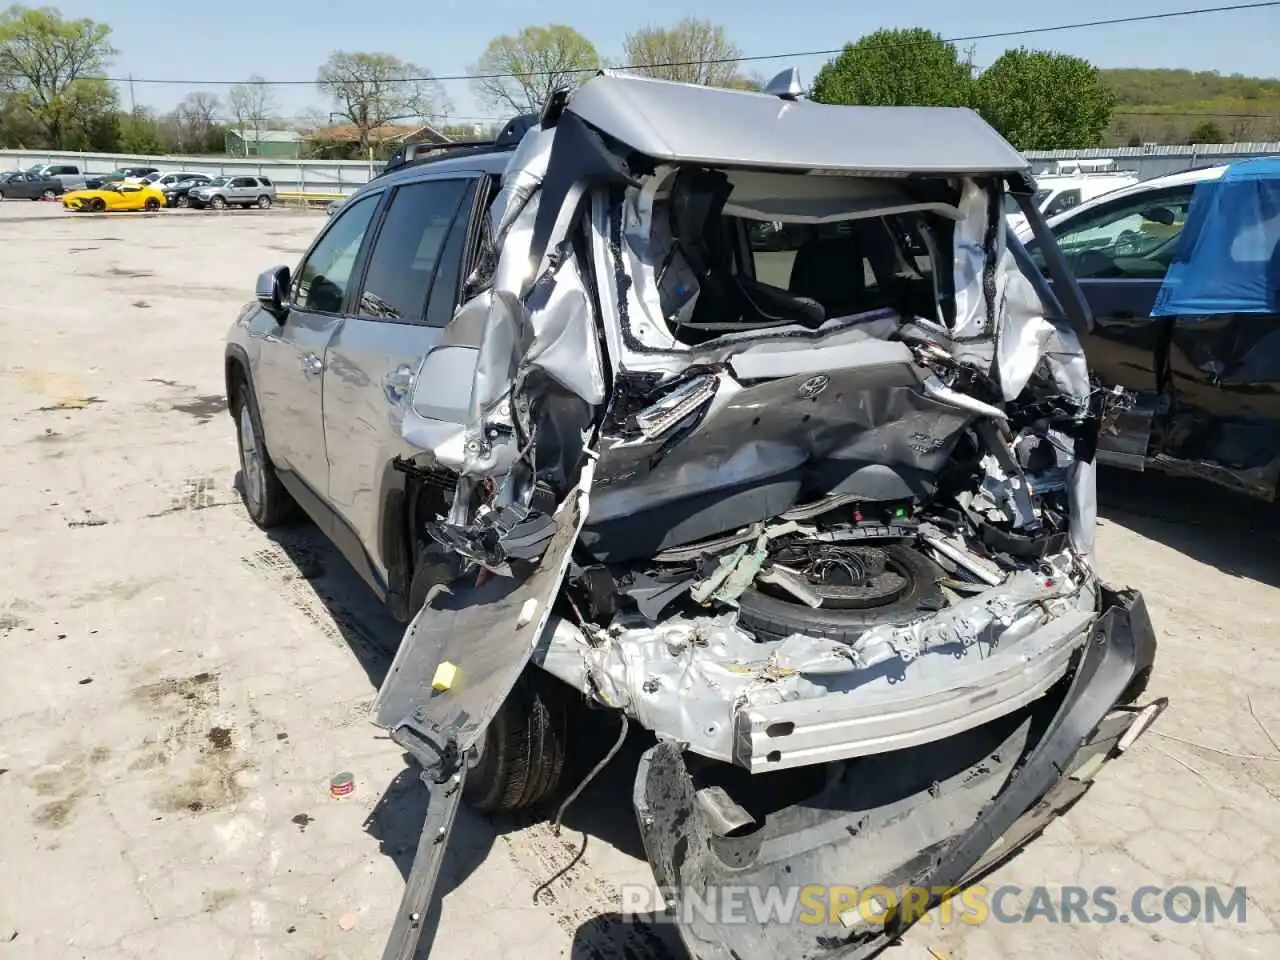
x: 70, y: 175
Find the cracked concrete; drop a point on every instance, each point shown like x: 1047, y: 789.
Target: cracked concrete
x: 179, y: 688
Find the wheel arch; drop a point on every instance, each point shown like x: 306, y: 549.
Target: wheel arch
x: 236, y: 368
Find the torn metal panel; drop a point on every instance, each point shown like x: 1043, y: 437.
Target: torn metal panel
x: 803, y: 700
x: 484, y: 630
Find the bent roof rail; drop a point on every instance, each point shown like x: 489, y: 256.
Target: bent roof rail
x: 680, y: 122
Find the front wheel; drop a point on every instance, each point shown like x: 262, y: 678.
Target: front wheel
x: 151, y: 205
x: 265, y: 498
x: 264, y: 202
x: 97, y: 204
x: 218, y: 203
x: 184, y: 202
x: 49, y: 195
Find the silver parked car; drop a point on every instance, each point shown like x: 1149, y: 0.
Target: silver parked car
x: 223, y: 192
x: 814, y: 505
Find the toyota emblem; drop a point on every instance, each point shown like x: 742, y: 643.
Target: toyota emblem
x: 813, y: 386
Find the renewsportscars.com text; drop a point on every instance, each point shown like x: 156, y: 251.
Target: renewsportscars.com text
x: 817, y: 904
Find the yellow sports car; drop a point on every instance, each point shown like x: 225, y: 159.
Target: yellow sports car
x: 115, y: 196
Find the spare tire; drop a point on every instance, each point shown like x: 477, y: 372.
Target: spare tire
x: 772, y: 616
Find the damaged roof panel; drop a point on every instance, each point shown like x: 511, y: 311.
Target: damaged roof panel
x: 676, y: 122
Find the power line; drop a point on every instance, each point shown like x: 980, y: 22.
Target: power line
x: 795, y: 55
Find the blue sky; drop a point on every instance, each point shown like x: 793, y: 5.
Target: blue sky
x: 287, y: 40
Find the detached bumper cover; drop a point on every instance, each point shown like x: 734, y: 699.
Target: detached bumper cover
x: 935, y: 816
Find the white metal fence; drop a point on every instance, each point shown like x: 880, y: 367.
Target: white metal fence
x: 317, y: 177
x: 1155, y: 159
x: 341, y: 177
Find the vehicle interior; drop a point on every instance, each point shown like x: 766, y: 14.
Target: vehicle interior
x: 834, y: 250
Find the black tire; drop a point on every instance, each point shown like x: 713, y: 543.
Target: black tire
x: 218, y: 203
x: 151, y: 205
x: 272, y: 505
x: 49, y: 195
x: 771, y: 618
x: 97, y: 205
x: 183, y: 202
x: 522, y: 760
x: 264, y: 202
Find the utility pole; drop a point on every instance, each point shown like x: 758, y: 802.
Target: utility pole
x: 133, y: 103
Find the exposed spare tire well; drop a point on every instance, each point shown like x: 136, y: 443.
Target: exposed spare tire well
x: 859, y: 588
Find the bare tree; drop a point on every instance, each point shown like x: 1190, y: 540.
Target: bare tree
x: 374, y: 89
x: 251, y: 104
x: 194, y: 120
x: 310, y: 119
x: 692, y: 51
x: 520, y: 72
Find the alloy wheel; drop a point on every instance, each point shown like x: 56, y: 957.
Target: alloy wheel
x: 251, y: 459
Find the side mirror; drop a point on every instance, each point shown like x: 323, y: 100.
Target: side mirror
x: 271, y: 290
x: 1161, y: 215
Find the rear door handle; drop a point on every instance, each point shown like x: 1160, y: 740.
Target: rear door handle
x: 312, y: 365
x: 397, y: 383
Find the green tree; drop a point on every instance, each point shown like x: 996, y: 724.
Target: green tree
x: 139, y: 133
x: 519, y: 72
x: 897, y: 68
x: 374, y: 89
x: 47, y: 65
x: 1206, y: 132
x: 691, y: 51
x: 1040, y: 100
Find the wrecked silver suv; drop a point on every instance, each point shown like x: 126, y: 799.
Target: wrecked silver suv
x: 756, y: 428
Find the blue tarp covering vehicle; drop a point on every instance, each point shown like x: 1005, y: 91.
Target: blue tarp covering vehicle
x: 1227, y: 259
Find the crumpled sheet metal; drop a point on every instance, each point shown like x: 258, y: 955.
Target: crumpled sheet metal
x: 1024, y: 340
x: 688, y: 679
x: 564, y: 343
x: 550, y: 326
x: 969, y: 262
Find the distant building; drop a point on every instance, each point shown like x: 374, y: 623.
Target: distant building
x: 345, y: 138
x: 264, y: 143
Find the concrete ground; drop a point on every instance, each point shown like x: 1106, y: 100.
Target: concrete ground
x: 177, y: 688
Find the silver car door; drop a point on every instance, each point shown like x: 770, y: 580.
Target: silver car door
x: 289, y: 377
x: 409, y: 292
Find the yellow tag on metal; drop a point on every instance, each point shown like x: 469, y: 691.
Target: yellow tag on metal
x: 446, y: 674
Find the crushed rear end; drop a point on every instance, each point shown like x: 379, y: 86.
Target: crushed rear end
x: 830, y: 541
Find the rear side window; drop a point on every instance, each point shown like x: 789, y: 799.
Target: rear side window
x: 1063, y: 201
x: 411, y: 247
x: 325, y: 275
x: 264, y: 181
x: 1134, y: 237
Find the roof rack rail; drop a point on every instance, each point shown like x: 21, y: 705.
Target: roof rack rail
x: 415, y: 154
